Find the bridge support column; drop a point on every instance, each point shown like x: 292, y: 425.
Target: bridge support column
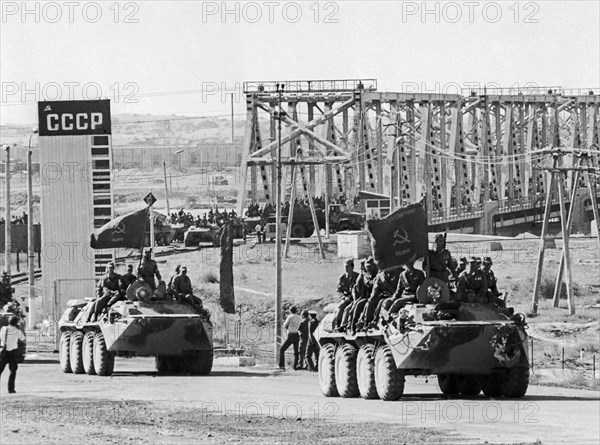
x: 485, y: 224
x: 581, y: 223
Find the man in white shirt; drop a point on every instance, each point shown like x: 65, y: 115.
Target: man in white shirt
x: 292, y: 323
x: 9, y: 355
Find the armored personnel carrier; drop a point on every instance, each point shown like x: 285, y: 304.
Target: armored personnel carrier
x: 470, y: 347
x: 147, y: 324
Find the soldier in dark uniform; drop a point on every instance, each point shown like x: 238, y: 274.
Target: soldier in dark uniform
x: 312, y: 351
x: 472, y: 284
x: 462, y: 265
x: 148, y: 269
x: 127, y: 279
x: 384, y: 287
x: 439, y: 262
x: 345, y: 285
x: 303, y: 330
x: 492, y: 292
x: 170, y: 285
x: 182, y: 289
x: 408, y: 283
x: 108, y: 292
x: 361, y: 293
x: 6, y: 291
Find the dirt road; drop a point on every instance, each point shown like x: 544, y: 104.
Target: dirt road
x: 261, y: 405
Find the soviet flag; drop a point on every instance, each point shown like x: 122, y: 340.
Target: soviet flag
x: 126, y: 231
x: 227, y: 298
x: 400, y: 237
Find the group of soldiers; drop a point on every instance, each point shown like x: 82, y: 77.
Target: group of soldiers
x: 6, y: 291
x: 112, y: 287
x: 16, y: 219
x: 365, y: 295
x: 212, y: 217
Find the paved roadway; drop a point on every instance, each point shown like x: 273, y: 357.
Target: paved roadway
x: 551, y: 415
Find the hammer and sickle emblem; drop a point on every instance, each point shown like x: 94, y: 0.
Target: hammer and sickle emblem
x: 120, y: 229
x: 400, y: 236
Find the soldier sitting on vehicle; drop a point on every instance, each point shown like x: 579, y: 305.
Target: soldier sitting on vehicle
x: 406, y: 292
x: 127, y: 279
x: 384, y: 287
x: 439, y: 262
x: 472, y: 284
x: 492, y: 294
x: 183, y: 291
x: 345, y: 285
x: 148, y: 269
x: 361, y: 293
x: 170, y: 285
x: 108, y: 292
x: 462, y: 265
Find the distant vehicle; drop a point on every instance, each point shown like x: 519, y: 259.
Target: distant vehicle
x: 303, y: 225
x: 220, y: 180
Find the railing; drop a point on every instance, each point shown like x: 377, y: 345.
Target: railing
x: 311, y: 86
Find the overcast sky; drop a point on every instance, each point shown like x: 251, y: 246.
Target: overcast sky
x: 157, y: 50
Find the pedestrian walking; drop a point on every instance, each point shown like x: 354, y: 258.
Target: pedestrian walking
x: 9, y: 353
x: 291, y: 324
x: 303, y: 331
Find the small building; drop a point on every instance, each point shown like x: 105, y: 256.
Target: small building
x: 376, y: 206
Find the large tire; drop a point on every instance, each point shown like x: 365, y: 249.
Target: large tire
x: 104, y: 361
x: 515, y: 382
x: 327, y: 370
x: 388, y: 379
x: 199, y: 363
x: 345, y: 371
x: 163, y: 364
x: 448, y: 384
x: 365, y: 372
x: 469, y: 385
x: 75, y: 352
x: 298, y: 230
x: 492, y: 384
x: 88, y: 353
x: 64, y: 350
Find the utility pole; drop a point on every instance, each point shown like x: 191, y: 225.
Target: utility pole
x: 166, y: 188
x: 31, y: 316
x: 278, y: 306
x: 232, y: 128
x: 7, y: 239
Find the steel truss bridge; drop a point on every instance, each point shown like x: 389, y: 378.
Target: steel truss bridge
x: 477, y: 158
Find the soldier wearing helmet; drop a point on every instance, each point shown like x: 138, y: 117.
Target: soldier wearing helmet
x: 439, y: 262
x: 361, y: 293
x: 384, y: 286
x: 492, y: 283
x: 108, y: 292
x: 148, y: 269
x: 472, y: 284
x: 345, y: 285
x: 462, y: 265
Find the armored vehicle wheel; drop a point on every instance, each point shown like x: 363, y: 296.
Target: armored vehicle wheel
x: 345, y: 371
x: 448, y: 384
x: 298, y: 231
x: 515, y: 382
x: 365, y: 371
x: 104, y: 361
x: 75, y: 352
x: 64, y: 348
x: 327, y: 370
x: 88, y: 353
x: 469, y: 385
x: 491, y: 384
x: 389, y: 381
x: 199, y: 363
x: 164, y: 364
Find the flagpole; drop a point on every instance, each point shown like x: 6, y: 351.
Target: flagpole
x: 278, y: 302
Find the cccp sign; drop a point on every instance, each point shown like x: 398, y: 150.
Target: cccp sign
x: 74, y: 118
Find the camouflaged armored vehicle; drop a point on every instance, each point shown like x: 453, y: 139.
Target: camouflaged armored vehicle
x: 179, y: 337
x: 470, y: 347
